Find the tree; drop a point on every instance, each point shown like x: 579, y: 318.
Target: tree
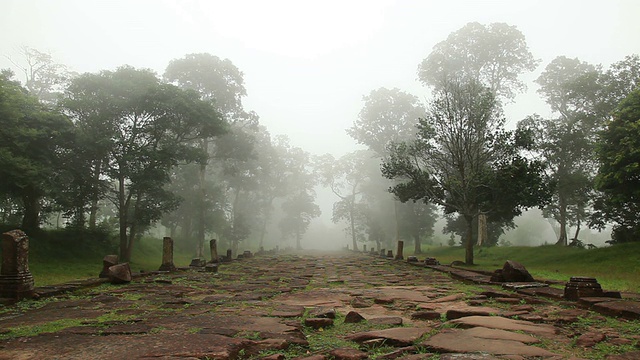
x: 345, y: 177
x: 221, y: 82
x: 387, y: 116
x: 493, y: 55
x: 44, y: 78
x: 146, y: 128
x: 619, y: 174
x: 417, y: 221
x: 34, y: 141
x: 299, y: 208
x: 582, y: 96
x: 464, y: 161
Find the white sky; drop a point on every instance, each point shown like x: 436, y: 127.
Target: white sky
x: 307, y: 64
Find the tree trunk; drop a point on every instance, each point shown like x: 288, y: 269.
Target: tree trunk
x: 267, y: 216
x: 562, y: 207
x: 577, y: 230
x: 95, y: 194
x: 417, y: 249
x: 31, y: 202
x: 122, y: 221
x: 298, y: 238
x: 201, y: 203
x: 468, y: 259
x: 353, y: 224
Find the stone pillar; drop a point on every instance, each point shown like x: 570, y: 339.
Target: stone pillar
x: 399, y: 251
x: 213, y: 246
x: 167, y: 255
x: 390, y: 254
x: 364, y: 248
x: 16, y: 281
x: 229, y: 255
x: 107, y: 262
x: 382, y: 252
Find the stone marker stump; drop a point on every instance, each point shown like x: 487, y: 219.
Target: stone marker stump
x: 580, y: 286
x: 364, y: 248
x: 382, y: 253
x: 229, y: 255
x: 400, y: 250
x: 167, y: 255
x: 213, y: 246
x: 107, y: 262
x: 198, y: 263
x: 16, y: 281
x: 390, y: 254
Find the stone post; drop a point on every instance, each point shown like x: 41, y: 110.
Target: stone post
x: 400, y: 250
x: 16, y: 281
x: 382, y: 253
x: 364, y: 248
x: 229, y: 255
x: 167, y: 255
x: 213, y: 246
x: 390, y: 254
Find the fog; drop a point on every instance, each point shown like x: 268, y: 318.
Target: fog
x: 307, y: 64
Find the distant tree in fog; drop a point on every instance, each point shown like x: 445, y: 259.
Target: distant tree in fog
x: 494, y: 55
x: 464, y: 160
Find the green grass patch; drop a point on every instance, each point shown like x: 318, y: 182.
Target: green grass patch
x: 615, y: 267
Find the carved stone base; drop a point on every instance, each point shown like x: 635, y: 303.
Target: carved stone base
x: 16, y: 286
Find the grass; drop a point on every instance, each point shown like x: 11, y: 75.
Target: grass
x: 615, y: 267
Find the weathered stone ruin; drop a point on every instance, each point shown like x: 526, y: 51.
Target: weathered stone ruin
x: 16, y: 281
x: 512, y: 271
x: 167, y: 255
x: 107, y: 262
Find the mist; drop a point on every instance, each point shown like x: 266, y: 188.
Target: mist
x: 308, y: 73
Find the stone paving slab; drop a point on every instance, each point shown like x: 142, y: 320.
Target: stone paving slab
x: 257, y: 307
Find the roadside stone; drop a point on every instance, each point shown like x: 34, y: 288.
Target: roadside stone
x: 398, y: 337
x: 501, y: 323
x: 120, y: 274
x: 460, y: 313
x: 288, y: 311
x: 328, y: 313
x: 358, y: 303
x: 496, y: 342
x: 425, y: 315
x: 318, y: 323
x: 387, y: 320
x: 348, y: 354
x: 513, y: 271
x: 353, y: 317
x: 590, y: 339
x: 633, y: 355
x: 107, y: 262
x: 16, y: 281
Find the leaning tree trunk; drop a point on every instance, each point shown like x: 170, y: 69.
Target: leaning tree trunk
x: 468, y: 259
x: 353, y: 228
x: 201, y: 203
x: 417, y: 249
x: 562, y: 239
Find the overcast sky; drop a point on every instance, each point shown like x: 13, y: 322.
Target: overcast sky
x: 307, y: 64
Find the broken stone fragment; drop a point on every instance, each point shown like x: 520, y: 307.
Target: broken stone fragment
x: 120, y: 273
x: 318, y: 323
x: 353, y: 317
x: 107, y: 262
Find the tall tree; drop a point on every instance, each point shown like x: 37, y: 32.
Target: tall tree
x: 220, y: 81
x: 464, y: 161
x: 619, y: 174
x: 35, y: 140
x: 150, y: 128
x: 494, y: 55
x: 345, y: 177
x: 43, y: 76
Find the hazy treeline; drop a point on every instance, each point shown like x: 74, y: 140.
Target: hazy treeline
x: 128, y: 150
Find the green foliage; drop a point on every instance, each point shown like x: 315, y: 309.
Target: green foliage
x: 31, y: 153
x: 494, y: 55
x: 465, y: 162
x: 619, y: 174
